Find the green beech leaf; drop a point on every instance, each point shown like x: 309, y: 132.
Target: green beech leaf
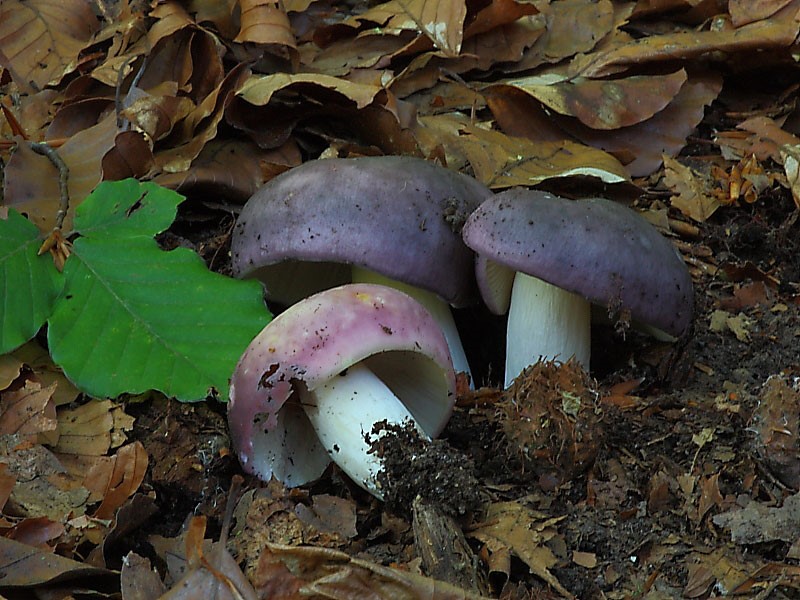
x: 29, y: 284
x: 132, y: 317
x: 127, y: 208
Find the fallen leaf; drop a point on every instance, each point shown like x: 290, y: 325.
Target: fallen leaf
x: 25, y: 567
x: 28, y: 410
x: 264, y: 22
x: 67, y: 25
x: 692, y: 198
x: 441, y: 21
x: 525, y: 532
x: 605, y: 104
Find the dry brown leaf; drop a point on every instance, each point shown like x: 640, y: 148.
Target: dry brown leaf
x: 259, y: 90
x: 767, y: 141
x: 588, y: 560
x: 503, y: 44
x: 746, y: 11
x: 442, y: 21
x: 32, y: 180
x: 778, y: 32
x: 639, y: 147
x: 171, y: 18
x: 155, y: 114
x: 28, y: 410
x: 9, y: 370
x: 39, y: 361
x: 497, y: 14
x: 362, y: 52
x: 201, y: 124
x: 264, y: 22
x: 501, y: 161
x: 23, y: 566
x: 329, y: 514
x: 117, y: 478
x: 573, y: 26
x: 692, y: 198
x: 232, y: 169
x: 219, y: 12
x: 42, y: 488
x: 664, y: 133
x: 526, y: 532
x: 138, y: 579
x: 38, y: 532
x: 86, y: 430
x: 389, y: 16
x: 300, y: 572
x: 606, y: 104
x: 41, y: 40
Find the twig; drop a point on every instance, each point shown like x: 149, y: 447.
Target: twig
x: 44, y: 149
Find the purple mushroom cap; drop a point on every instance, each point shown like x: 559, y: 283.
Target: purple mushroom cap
x: 312, y: 342
x: 398, y: 216
x: 596, y: 248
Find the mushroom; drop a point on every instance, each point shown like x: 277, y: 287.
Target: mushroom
x: 310, y: 387
x: 544, y: 259
x: 392, y: 220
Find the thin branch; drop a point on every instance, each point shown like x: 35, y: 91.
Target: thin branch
x: 63, y: 177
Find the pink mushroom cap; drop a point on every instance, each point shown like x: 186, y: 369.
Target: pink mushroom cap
x: 315, y: 340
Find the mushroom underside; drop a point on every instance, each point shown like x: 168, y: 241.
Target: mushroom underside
x: 330, y: 422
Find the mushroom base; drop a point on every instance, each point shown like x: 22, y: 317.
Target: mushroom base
x: 545, y: 322
x: 343, y: 411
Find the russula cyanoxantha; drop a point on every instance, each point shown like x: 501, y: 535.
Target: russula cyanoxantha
x: 544, y: 259
x: 393, y: 220
x: 313, y: 383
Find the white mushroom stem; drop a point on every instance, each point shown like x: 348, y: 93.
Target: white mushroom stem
x: 343, y: 411
x: 545, y: 322
x: 438, y: 308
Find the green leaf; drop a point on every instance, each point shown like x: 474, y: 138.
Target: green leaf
x: 126, y: 208
x: 132, y: 317
x: 29, y: 284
